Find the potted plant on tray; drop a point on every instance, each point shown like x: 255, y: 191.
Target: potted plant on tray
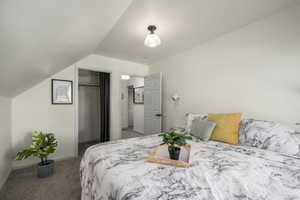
x: 42, y: 146
x: 174, y: 140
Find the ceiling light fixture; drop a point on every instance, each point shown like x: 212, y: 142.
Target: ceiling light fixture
x: 125, y: 77
x: 152, y: 40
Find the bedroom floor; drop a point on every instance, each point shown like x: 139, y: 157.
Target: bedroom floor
x: 130, y: 133
x: 22, y: 184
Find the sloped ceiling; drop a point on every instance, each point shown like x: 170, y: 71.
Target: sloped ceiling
x: 182, y: 24
x: 39, y: 38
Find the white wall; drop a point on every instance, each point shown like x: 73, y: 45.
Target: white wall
x: 32, y: 110
x: 89, y: 107
x: 138, y: 118
x: 5, y: 139
x: 255, y: 70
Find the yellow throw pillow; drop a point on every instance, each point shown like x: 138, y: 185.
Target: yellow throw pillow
x: 227, y: 128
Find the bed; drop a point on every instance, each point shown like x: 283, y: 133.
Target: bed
x: 118, y: 170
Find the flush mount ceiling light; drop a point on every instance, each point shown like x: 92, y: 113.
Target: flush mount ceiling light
x: 125, y: 77
x: 152, y: 40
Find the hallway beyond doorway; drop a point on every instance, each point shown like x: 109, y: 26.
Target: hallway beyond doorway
x: 130, y: 133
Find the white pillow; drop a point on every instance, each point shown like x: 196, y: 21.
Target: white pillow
x: 271, y: 136
x: 189, y: 117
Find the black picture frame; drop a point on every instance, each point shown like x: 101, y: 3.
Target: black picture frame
x: 53, y: 90
x: 138, y: 95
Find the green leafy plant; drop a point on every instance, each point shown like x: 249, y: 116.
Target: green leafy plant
x: 42, y: 146
x: 174, y: 139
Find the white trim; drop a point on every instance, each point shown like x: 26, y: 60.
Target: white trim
x: 76, y: 100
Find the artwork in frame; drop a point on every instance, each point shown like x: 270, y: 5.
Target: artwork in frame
x: 138, y: 95
x: 62, y: 91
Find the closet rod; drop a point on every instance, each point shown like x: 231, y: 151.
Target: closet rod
x: 89, y: 85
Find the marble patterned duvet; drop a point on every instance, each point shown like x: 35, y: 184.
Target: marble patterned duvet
x: 118, y: 171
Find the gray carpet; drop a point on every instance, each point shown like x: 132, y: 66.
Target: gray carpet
x: 130, y: 133
x: 23, y: 184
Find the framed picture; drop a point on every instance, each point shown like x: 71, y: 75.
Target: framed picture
x: 62, y: 91
x: 138, y: 95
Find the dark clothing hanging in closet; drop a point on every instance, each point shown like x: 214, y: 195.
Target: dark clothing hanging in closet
x: 104, y: 80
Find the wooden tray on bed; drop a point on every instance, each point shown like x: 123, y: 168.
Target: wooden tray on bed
x: 161, y: 155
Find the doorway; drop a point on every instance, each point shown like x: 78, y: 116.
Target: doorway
x: 93, y: 108
x: 132, y: 98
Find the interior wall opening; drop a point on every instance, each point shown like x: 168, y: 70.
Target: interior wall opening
x: 93, y: 108
x: 132, y: 97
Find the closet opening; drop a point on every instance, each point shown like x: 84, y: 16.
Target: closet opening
x: 93, y: 108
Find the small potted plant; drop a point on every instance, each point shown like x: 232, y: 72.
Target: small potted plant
x: 174, y: 140
x: 42, y: 146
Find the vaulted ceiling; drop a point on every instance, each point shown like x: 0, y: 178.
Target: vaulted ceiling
x: 181, y: 25
x: 39, y: 38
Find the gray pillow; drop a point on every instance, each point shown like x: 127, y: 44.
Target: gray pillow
x: 202, y: 129
x: 189, y: 117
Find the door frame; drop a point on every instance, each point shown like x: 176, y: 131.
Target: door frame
x: 120, y: 93
x: 76, y: 101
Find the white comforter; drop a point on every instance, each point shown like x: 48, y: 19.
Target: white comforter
x: 118, y: 171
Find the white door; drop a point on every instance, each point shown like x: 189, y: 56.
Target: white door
x: 152, y: 104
